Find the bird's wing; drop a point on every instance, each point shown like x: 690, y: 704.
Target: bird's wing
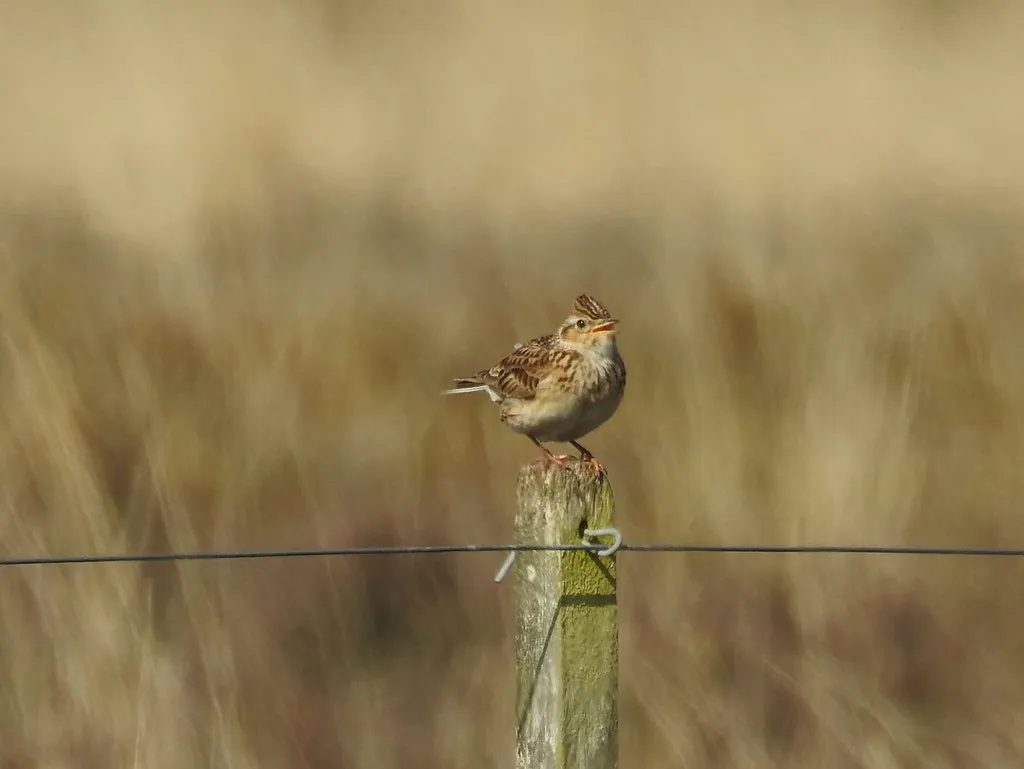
x: 518, y: 375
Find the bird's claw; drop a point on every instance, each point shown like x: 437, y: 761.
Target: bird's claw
x: 562, y: 460
x: 590, y: 459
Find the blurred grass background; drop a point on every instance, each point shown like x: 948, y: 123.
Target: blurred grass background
x: 245, y: 242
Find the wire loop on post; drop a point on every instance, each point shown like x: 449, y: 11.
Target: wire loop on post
x: 595, y: 548
x: 609, y: 531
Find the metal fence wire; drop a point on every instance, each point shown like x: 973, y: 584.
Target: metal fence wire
x: 616, y: 546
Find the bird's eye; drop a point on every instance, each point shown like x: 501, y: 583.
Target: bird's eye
x: 581, y: 323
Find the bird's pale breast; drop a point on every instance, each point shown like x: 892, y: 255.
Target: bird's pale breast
x: 571, y: 402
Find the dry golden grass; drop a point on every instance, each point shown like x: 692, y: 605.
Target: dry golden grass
x: 244, y: 244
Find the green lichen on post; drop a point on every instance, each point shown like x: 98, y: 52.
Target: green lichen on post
x: 567, y: 637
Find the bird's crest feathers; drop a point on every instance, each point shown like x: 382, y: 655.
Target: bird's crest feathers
x: 589, y: 307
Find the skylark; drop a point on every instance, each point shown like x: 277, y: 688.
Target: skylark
x: 558, y: 387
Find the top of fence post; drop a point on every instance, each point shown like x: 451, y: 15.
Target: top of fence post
x: 567, y: 637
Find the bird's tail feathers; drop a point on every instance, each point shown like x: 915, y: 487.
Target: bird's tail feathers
x: 472, y: 386
x: 476, y: 388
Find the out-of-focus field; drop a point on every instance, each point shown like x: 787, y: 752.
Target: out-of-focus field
x: 244, y: 244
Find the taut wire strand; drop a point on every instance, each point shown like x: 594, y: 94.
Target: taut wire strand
x: 595, y: 547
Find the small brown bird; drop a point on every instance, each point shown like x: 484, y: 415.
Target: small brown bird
x: 558, y: 387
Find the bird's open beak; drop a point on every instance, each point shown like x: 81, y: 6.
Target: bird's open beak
x: 608, y: 325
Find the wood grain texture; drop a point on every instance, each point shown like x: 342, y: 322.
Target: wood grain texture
x: 567, y: 637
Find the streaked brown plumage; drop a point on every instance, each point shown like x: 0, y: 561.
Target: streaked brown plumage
x: 562, y: 386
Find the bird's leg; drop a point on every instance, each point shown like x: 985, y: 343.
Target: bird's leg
x: 586, y: 456
x: 558, y: 459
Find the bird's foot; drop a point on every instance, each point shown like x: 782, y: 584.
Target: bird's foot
x: 586, y: 456
x: 591, y: 460
x: 562, y: 460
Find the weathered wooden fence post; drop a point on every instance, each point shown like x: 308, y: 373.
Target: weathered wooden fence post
x: 567, y: 637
